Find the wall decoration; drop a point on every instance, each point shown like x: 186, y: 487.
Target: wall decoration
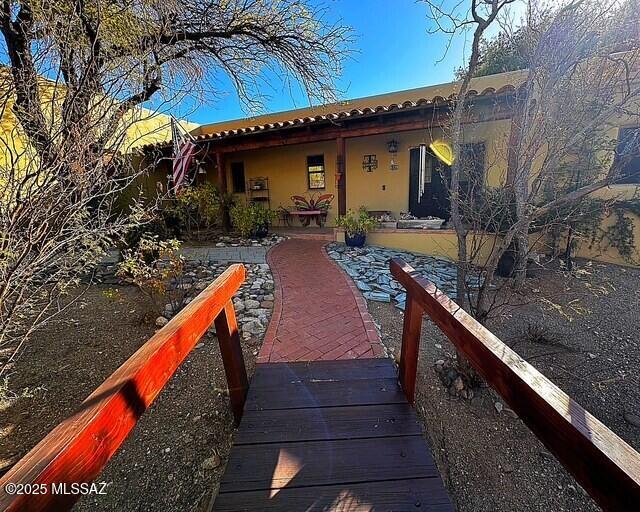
x: 369, y: 163
x: 392, y: 146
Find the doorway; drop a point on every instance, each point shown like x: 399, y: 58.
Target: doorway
x: 433, y: 199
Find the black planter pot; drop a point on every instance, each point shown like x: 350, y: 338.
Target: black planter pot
x: 355, y: 240
x: 261, y: 231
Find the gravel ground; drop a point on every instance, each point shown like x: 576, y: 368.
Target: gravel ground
x: 176, y: 454
x: 490, y: 461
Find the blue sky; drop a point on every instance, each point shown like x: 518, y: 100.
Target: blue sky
x: 393, y: 52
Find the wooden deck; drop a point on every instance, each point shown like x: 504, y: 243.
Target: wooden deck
x: 330, y: 435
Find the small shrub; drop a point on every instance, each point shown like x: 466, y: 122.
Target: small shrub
x: 248, y: 218
x: 156, y: 268
x: 112, y: 294
x: 356, y: 223
x: 199, y: 206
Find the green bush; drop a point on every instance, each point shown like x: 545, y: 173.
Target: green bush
x: 248, y: 218
x: 356, y: 223
x: 199, y: 207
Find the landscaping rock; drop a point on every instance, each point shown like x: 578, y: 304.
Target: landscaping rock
x: 253, y: 327
x: 369, y: 268
x: 211, y: 463
x: 251, y: 304
x: 632, y: 419
x: 378, y: 296
x: 161, y: 321
x: 362, y: 286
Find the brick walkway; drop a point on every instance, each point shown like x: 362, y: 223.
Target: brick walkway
x: 318, y: 311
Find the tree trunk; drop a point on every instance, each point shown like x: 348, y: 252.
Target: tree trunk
x: 568, y: 259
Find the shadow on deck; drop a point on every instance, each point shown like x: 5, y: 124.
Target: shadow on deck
x: 330, y: 435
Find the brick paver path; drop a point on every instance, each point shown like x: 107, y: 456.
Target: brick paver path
x: 318, y: 312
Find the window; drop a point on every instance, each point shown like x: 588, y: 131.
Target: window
x: 315, y: 171
x: 472, y: 170
x: 472, y: 163
x: 237, y: 177
x: 628, y: 155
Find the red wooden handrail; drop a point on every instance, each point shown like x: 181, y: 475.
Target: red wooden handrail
x: 78, y: 448
x: 606, y: 466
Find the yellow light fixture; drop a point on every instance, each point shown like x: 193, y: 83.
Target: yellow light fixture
x: 443, y: 151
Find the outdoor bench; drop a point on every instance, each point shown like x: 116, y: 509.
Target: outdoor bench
x: 306, y: 216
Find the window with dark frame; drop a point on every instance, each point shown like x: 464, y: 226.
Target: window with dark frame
x: 472, y: 162
x: 237, y: 177
x: 627, y: 158
x: 315, y: 172
x: 472, y: 159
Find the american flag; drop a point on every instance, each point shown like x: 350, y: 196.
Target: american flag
x: 183, y: 150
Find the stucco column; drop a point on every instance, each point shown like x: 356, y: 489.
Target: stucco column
x: 341, y: 175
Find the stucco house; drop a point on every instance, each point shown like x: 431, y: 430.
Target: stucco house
x: 380, y: 152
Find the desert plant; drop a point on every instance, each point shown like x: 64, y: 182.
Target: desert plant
x: 263, y: 216
x: 359, y: 223
x: 157, y: 269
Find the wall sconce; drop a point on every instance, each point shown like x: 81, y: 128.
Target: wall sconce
x: 392, y: 146
x: 201, y: 169
x: 369, y: 163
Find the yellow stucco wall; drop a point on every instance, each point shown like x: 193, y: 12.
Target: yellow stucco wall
x: 140, y: 126
x: 440, y: 243
x: 603, y: 252
x: 384, y: 189
x: 286, y: 168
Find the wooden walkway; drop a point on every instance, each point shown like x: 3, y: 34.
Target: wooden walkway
x: 322, y: 435
x: 330, y: 435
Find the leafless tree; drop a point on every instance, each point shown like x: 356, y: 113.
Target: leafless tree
x: 79, y: 74
x: 478, y: 18
x: 581, y: 81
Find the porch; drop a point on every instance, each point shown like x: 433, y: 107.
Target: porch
x: 439, y: 243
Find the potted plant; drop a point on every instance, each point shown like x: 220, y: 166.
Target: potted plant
x: 251, y: 220
x: 356, y: 226
x: 262, y: 219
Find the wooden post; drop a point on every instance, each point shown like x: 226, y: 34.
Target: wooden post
x: 341, y: 170
x: 411, y: 331
x: 232, y: 358
x: 222, y: 187
x: 221, y: 172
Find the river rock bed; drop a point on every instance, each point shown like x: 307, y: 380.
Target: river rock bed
x: 368, y: 266
x: 253, y: 302
x: 237, y: 241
